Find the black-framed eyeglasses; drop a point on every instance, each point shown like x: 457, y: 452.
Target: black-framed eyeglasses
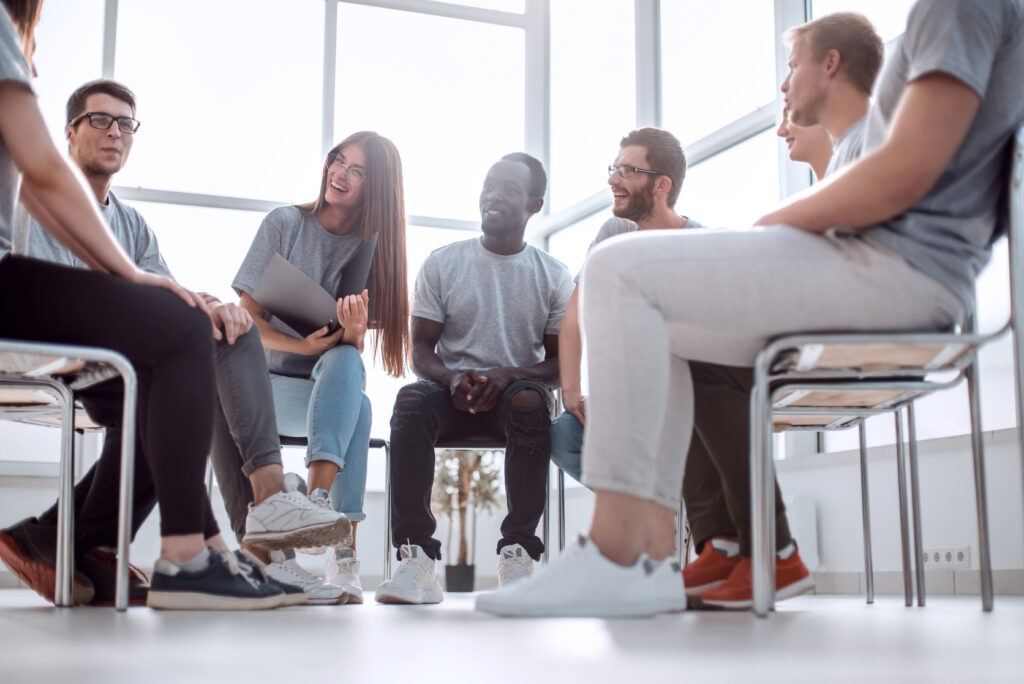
x: 627, y: 171
x: 102, y: 121
x: 353, y: 174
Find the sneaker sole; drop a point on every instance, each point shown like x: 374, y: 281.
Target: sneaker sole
x: 187, y: 600
x: 629, y: 610
x: 700, y: 589
x: 427, y: 598
x: 321, y: 535
x: 41, y: 578
x: 789, y: 591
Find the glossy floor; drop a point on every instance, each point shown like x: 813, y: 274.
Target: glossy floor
x: 809, y: 639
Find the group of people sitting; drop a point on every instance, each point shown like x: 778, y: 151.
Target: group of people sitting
x: 911, y: 173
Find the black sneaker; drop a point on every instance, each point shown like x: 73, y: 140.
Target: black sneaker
x: 293, y: 595
x: 29, y: 549
x: 221, y: 586
x: 100, y: 566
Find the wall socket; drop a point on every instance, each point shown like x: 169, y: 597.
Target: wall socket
x: 947, y: 558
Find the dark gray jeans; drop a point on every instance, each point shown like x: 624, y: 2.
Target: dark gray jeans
x: 244, y: 424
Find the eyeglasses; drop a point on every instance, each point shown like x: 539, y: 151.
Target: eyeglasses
x: 627, y: 171
x: 102, y: 121
x: 353, y: 174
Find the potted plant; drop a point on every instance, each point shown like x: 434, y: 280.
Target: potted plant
x: 465, y: 483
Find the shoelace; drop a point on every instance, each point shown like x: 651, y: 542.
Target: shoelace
x: 522, y: 562
x: 423, y: 570
x: 235, y: 568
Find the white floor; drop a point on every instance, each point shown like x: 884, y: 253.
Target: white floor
x: 809, y: 639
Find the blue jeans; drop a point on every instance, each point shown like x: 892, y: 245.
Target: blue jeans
x: 567, y: 445
x: 331, y: 411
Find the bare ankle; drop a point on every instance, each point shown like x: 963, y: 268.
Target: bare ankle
x: 266, y: 481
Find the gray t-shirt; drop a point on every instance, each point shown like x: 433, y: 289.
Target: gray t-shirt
x: 948, y: 233
x: 302, y: 240
x: 13, y: 67
x: 495, y: 309
x: 618, y: 226
x: 129, y: 228
x: 848, y: 147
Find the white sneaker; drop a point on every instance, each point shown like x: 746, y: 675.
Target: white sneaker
x: 320, y: 498
x: 288, y: 571
x: 583, y: 583
x: 288, y: 519
x: 415, y: 579
x: 513, y: 564
x: 343, y: 571
x: 671, y: 590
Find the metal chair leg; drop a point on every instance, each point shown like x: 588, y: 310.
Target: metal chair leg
x: 915, y: 505
x: 561, y: 510
x: 545, y: 527
x: 124, y: 518
x: 762, y: 494
x: 981, y: 499
x: 63, y: 594
x: 901, y: 475
x: 387, y: 510
x: 865, y: 509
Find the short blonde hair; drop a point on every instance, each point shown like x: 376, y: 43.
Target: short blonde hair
x: 853, y: 36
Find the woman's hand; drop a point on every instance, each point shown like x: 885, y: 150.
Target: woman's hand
x: 352, y: 315
x: 318, y: 342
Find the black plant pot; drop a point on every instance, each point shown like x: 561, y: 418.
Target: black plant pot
x: 459, y: 577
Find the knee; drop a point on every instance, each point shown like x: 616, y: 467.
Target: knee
x: 342, y: 356
x: 411, y: 403
x: 527, y: 401
x: 566, y: 434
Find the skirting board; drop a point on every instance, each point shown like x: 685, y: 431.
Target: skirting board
x: 938, y: 582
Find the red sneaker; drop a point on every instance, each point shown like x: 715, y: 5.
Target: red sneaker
x: 38, y: 571
x: 710, y: 570
x: 791, y: 578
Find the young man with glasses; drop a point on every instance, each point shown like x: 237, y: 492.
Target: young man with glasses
x: 100, y: 132
x: 485, y: 323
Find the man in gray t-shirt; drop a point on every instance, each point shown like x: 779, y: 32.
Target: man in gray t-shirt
x: 485, y: 320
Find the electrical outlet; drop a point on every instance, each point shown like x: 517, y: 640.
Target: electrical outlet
x: 947, y: 558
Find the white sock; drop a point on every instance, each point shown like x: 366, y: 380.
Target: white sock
x: 725, y: 547
x: 200, y: 562
x: 786, y: 552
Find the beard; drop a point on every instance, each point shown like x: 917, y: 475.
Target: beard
x: 641, y: 203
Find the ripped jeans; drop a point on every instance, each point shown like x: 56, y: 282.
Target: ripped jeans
x: 424, y: 413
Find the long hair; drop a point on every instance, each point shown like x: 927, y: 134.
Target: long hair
x: 383, y: 214
x: 24, y: 16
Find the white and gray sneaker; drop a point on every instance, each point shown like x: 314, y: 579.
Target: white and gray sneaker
x: 288, y: 520
x: 415, y: 579
x: 581, y: 582
x: 284, y: 568
x: 513, y: 564
x: 322, y: 499
x: 343, y: 571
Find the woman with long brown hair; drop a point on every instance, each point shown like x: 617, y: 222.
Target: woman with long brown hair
x: 318, y: 380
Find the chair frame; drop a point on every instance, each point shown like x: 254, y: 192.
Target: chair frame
x: 63, y: 389
x: 769, y: 385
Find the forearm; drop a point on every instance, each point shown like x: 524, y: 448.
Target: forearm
x: 570, y: 348
x: 546, y: 371
x: 51, y: 226
x: 355, y: 338
x: 426, y: 364
x: 272, y: 338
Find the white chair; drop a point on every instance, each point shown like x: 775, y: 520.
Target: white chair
x: 61, y: 370
x: 891, y: 370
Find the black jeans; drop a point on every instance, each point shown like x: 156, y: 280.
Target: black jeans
x: 716, y: 482
x: 424, y: 413
x: 171, y: 348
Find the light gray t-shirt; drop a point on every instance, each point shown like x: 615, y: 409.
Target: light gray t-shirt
x: 13, y: 67
x: 302, y: 240
x: 495, y: 309
x: 129, y: 228
x: 848, y: 147
x: 618, y: 226
x: 948, y: 233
